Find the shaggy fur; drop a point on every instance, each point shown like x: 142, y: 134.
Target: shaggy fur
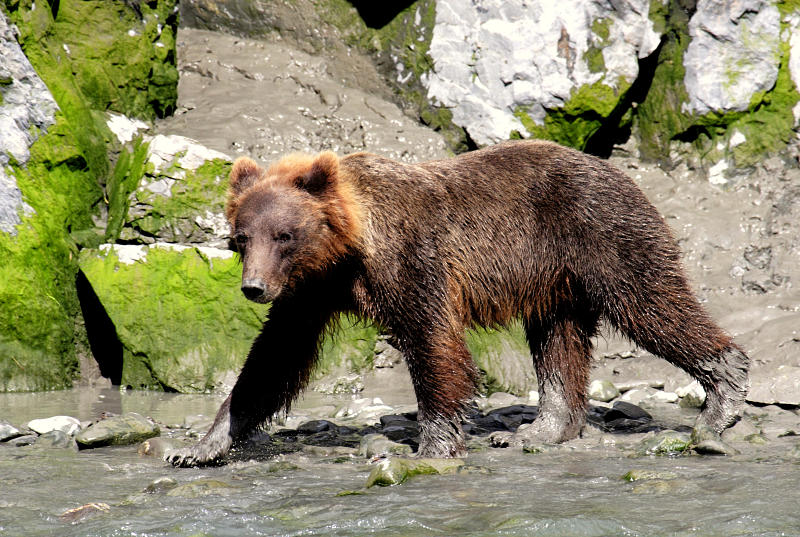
x: 524, y: 229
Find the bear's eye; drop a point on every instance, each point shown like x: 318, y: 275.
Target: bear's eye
x: 283, y: 237
x: 241, y: 240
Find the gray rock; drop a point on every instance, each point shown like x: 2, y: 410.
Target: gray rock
x: 8, y: 431
x: 57, y: 439
x: 602, y: 390
x: 202, y: 487
x: 24, y: 440
x: 162, y: 484
x: 733, y: 54
x: 129, y: 428
x: 157, y: 446
x: 26, y: 108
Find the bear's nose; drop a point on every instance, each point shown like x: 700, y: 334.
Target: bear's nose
x: 253, y: 289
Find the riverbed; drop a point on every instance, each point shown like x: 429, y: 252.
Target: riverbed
x: 578, y: 489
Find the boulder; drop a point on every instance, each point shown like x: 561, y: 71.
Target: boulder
x: 129, y: 428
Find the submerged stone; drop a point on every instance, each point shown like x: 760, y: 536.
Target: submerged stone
x: 202, y: 487
x: 647, y: 475
x: 162, y: 484
x: 129, y: 428
x: 397, y: 470
x: 157, y: 446
x: 84, y: 511
x: 56, y: 439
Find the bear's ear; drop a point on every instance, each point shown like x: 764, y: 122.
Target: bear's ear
x: 322, y: 175
x: 244, y: 174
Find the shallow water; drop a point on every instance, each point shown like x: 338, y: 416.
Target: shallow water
x: 576, y: 491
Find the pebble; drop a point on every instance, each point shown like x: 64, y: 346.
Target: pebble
x: 129, y: 428
x: 65, y: 424
x: 157, y: 446
x: 602, y: 390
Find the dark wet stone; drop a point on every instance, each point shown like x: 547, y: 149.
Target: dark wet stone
x: 489, y: 423
x: 316, y: 426
x: 514, y: 409
x: 624, y: 410
x: 8, y: 431
x: 391, y: 418
x: 399, y: 431
x: 714, y: 447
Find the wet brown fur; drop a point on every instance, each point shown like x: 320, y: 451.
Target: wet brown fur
x: 527, y: 229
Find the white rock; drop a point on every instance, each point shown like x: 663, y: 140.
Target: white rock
x: 65, y: 424
x: 716, y: 173
x: 734, y: 53
x: 165, y: 151
x: 493, y: 56
x: 501, y: 399
x: 124, y: 127
x: 602, y: 390
x: 664, y: 397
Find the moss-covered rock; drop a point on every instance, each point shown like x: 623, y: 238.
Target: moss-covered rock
x: 117, y: 57
x: 178, y: 312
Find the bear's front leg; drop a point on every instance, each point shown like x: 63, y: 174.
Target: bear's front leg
x: 444, y: 378
x: 214, y: 445
x: 276, y: 370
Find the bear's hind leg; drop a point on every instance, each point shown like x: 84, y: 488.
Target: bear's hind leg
x: 670, y: 323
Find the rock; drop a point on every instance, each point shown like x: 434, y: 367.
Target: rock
x: 706, y: 441
x: 625, y: 386
x: 202, y: 487
x: 602, y: 390
x: 24, y: 440
x: 396, y: 470
x: 316, y: 426
x: 504, y: 358
x: 65, y: 424
x: 373, y: 445
x: 351, y: 383
x: 664, y: 397
x: 636, y: 396
x: 27, y: 109
x: 84, y: 511
x: 385, y: 354
x: 733, y: 54
x: 646, y: 475
x: 162, y: 484
x: 503, y: 67
x: 536, y: 449
x: 156, y: 447
x: 8, y: 431
x: 664, y: 443
x: 56, y: 439
x: 692, y: 395
x: 777, y: 344
x: 129, y: 428
x: 501, y: 399
x: 740, y: 431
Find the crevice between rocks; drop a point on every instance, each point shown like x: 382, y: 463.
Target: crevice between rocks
x: 100, y: 330
x: 376, y: 15
x: 602, y: 142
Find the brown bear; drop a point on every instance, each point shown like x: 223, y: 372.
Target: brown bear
x: 525, y: 229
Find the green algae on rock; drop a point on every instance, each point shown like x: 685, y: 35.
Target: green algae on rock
x: 123, y: 430
x: 395, y: 471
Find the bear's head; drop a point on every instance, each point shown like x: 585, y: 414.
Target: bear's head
x: 289, y: 222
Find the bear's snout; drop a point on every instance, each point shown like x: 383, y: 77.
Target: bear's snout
x: 255, y: 289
